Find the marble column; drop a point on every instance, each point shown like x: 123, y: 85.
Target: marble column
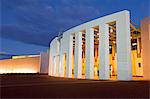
x: 78, y: 55
x: 104, y: 51
x: 124, y: 67
x: 57, y: 64
x: 61, y: 65
x: 89, y: 53
x: 54, y: 66
x: 69, y: 56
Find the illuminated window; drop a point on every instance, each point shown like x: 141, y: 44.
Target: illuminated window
x: 134, y: 44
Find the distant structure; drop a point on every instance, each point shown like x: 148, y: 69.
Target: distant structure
x: 109, y: 47
x: 25, y: 64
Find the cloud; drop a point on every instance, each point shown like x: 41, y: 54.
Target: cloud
x: 39, y: 21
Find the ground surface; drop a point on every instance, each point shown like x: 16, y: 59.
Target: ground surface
x: 43, y: 86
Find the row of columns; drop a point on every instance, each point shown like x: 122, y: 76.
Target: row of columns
x: 89, y: 49
x: 124, y: 71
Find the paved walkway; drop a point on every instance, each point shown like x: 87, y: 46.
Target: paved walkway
x: 43, y: 86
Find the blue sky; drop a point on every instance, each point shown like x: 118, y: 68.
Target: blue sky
x: 28, y: 26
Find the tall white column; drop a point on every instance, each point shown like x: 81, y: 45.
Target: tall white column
x: 69, y: 56
x: 78, y: 55
x: 89, y: 53
x: 54, y: 65
x: 61, y: 65
x: 57, y: 65
x: 123, y: 47
x: 104, y: 51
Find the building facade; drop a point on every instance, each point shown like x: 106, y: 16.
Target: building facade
x: 105, y: 48
x: 25, y: 64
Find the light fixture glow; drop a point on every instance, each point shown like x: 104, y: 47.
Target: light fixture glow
x: 111, y: 30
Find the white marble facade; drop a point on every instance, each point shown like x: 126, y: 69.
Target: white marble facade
x: 61, y: 48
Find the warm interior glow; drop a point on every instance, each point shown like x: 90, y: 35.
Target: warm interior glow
x: 137, y: 67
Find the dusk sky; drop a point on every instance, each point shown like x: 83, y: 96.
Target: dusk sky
x: 28, y: 26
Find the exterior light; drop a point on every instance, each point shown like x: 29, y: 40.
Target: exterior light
x: 109, y: 47
x: 134, y: 44
x: 114, y: 42
x: 111, y: 30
